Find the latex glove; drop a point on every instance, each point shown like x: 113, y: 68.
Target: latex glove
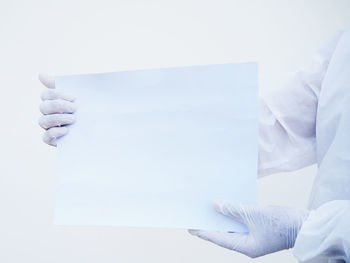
x: 57, y: 109
x: 271, y: 228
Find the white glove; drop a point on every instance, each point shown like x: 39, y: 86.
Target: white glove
x: 57, y: 109
x: 271, y: 228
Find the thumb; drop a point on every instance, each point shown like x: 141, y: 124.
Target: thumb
x: 48, y: 81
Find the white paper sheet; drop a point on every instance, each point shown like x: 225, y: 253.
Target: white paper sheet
x: 154, y: 148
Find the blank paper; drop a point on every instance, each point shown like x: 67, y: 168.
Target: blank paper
x: 155, y: 147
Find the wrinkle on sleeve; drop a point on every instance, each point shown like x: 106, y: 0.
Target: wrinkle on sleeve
x: 287, y: 118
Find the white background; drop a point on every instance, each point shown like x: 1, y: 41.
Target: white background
x: 61, y: 37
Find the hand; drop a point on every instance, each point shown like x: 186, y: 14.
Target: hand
x: 57, y: 109
x: 271, y: 228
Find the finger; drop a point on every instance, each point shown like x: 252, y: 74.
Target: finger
x: 57, y: 106
x: 233, y: 241
x: 240, y: 213
x: 48, y: 81
x: 52, y: 94
x: 52, y: 134
x: 56, y: 120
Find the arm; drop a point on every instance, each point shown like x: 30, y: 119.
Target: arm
x: 286, y: 143
x: 288, y: 118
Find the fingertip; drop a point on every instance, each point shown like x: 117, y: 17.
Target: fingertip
x: 49, y: 141
x: 42, y: 107
x: 47, y: 81
x: 41, y: 122
x: 73, y: 107
x: 42, y: 77
x: 64, y: 130
x: 71, y: 118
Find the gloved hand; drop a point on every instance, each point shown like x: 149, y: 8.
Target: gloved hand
x: 57, y: 109
x: 271, y: 228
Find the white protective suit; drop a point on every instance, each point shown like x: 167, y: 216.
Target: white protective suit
x: 309, y: 122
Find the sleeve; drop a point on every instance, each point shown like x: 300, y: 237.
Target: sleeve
x: 325, y: 234
x: 287, y: 118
